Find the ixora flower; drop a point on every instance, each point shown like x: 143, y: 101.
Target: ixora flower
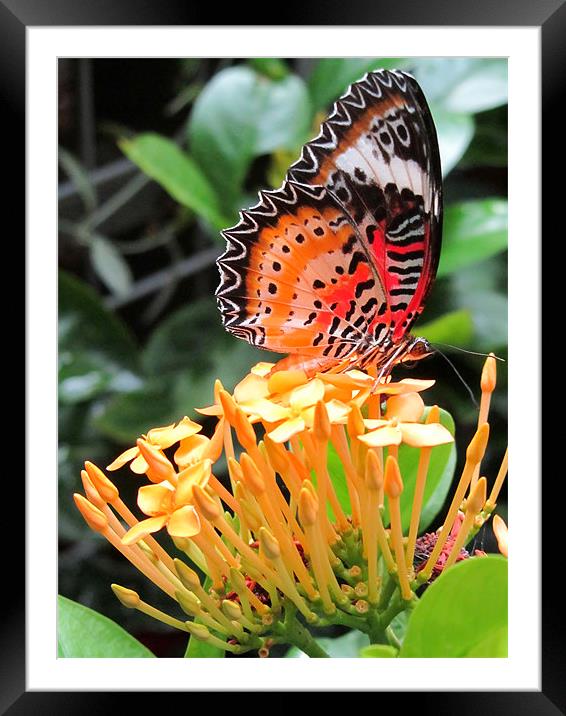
x: 315, y: 523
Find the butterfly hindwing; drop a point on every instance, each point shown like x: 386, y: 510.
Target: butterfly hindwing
x: 296, y: 278
x: 378, y: 154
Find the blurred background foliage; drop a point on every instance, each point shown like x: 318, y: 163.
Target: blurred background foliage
x: 156, y: 156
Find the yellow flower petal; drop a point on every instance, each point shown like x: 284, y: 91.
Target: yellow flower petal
x: 124, y: 458
x: 287, y: 429
x: 267, y: 410
x: 212, y: 410
x: 139, y: 465
x: 262, y: 369
x: 197, y: 474
x: 191, y: 450
x: 171, y: 434
x: 374, y: 424
x: 184, y: 522
x: 306, y: 395
x: 408, y: 407
x: 143, y: 529
x: 386, y: 435
x: 284, y: 380
x: 155, y: 500
x: 253, y: 387
x: 337, y: 412
x: 418, y: 435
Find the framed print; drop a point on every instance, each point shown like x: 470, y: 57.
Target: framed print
x: 227, y: 456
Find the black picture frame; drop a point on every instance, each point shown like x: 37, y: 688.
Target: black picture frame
x: 550, y: 17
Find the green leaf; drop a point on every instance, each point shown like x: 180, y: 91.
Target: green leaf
x: 463, y: 84
x: 455, y: 131
x: 439, y: 478
x: 81, y: 379
x: 110, y: 266
x: 331, y: 76
x: 129, y: 415
x: 484, y: 87
x: 178, y: 174
x: 463, y: 613
x: 271, y: 67
x: 473, y: 231
x: 489, y: 311
x: 240, y: 115
x: 84, y: 633
x: 342, y: 647
x: 85, y: 325
x: 378, y: 651
x: 456, y: 327
x: 489, y: 145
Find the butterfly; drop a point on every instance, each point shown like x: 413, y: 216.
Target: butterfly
x: 334, y: 267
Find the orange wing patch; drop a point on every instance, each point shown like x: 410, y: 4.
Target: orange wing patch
x: 307, y: 284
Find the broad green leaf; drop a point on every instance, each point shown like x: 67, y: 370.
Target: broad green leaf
x: 455, y: 131
x: 86, y: 325
x: 378, y: 651
x: 110, y: 266
x: 483, y: 87
x: 129, y: 415
x: 332, y: 76
x: 342, y: 647
x: 84, y: 633
x: 439, y: 478
x: 200, y: 649
x: 240, y: 115
x: 462, y: 84
x: 456, y: 327
x: 81, y: 378
x: 473, y: 231
x: 489, y: 145
x: 462, y: 614
x: 178, y: 174
x: 490, y: 315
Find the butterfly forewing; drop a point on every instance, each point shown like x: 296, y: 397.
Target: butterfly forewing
x: 341, y: 258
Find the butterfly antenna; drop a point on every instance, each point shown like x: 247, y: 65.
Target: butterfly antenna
x: 474, y: 401
x: 473, y: 353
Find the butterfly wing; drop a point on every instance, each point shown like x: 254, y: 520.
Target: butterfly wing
x: 295, y: 277
x: 378, y: 155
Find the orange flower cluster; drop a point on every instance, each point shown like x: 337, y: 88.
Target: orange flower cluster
x: 279, y: 536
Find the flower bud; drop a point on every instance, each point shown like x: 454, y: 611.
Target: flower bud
x: 476, y: 448
x: 188, y: 576
x: 308, y: 508
x: 253, y: 478
x: 269, y: 544
x: 127, y: 597
x: 393, y: 483
x: 105, y: 488
x: 94, y: 518
x: 206, y: 505
x: 489, y: 375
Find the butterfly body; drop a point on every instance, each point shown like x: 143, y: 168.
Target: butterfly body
x: 335, y: 266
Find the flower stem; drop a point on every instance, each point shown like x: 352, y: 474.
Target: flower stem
x: 295, y: 633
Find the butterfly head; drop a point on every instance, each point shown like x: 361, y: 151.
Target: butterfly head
x: 417, y: 349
